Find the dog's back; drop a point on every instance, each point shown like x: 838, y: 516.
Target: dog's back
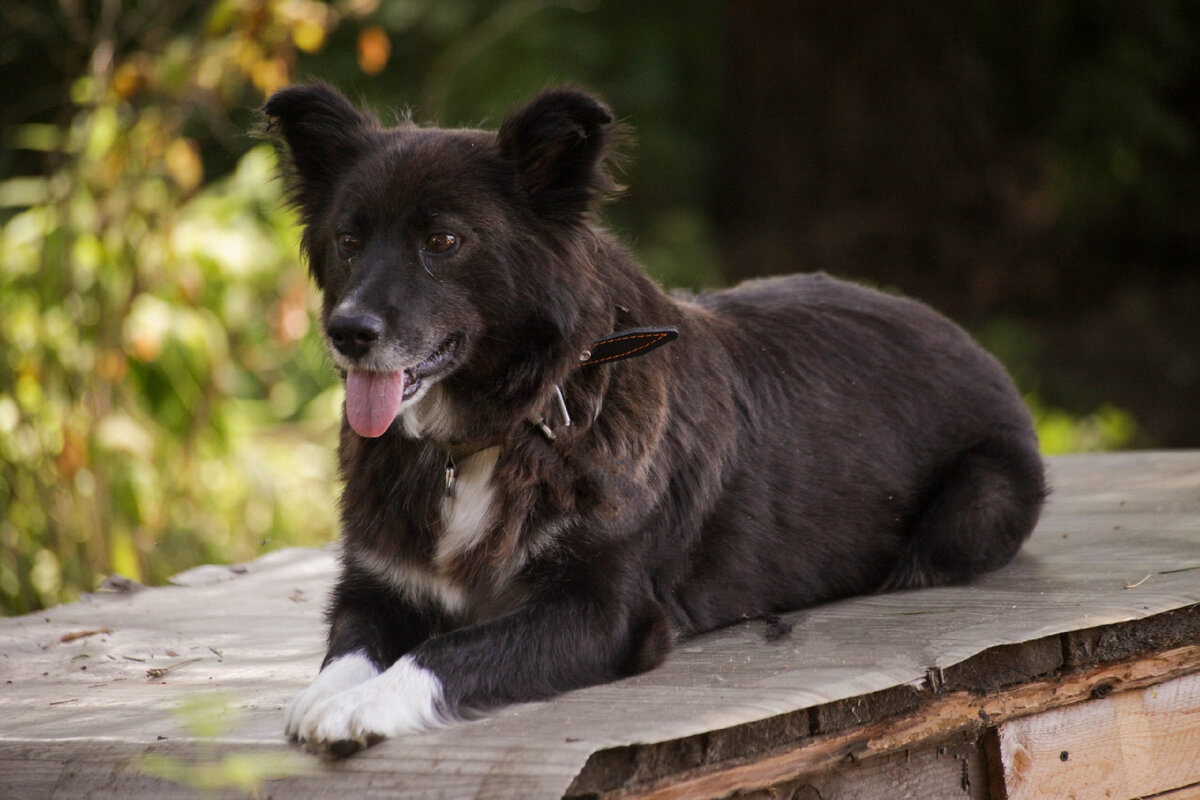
x: 872, y: 444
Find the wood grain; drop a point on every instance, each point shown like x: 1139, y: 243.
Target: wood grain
x: 1131, y: 744
x: 1185, y: 793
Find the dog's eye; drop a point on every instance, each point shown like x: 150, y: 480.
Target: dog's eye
x: 441, y: 242
x: 348, y: 244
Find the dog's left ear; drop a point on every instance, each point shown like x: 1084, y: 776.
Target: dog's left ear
x: 319, y: 135
x: 558, y: 143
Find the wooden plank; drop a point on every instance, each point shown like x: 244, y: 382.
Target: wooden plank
x: 945, y: 716
x: 1130, y: 744
x: 956, y: 771
x: 28, y: 778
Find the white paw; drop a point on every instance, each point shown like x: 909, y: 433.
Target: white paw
x: 338, y: 676
x: 403, y: 699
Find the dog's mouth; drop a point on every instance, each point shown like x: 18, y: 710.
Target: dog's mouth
x: 374, y: 398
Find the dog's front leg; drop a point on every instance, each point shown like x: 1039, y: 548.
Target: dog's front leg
x: 370, y: 630
x: 569, y: 635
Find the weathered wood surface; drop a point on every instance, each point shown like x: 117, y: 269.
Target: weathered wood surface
x: 1120, y: 543
x: 937, y: 722
x: 1132, y: 744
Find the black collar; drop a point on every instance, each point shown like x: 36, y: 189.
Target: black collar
x: 623, y: 344
x: 626, y: 344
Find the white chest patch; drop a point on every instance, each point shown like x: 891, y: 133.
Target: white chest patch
x: 428, y: 414
x: 416, y: 582
x: 467, y: 512
x: 467, y: 515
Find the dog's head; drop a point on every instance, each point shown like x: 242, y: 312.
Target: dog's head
x: 440, y: 253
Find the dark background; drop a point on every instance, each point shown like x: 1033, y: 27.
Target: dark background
x: 1028, y: 167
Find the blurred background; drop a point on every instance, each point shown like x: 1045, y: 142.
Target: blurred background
x: 1030, y: 168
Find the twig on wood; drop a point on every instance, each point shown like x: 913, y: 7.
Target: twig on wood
x: 158, y: 672
x: 1139, y: 583
x: 73, y: 635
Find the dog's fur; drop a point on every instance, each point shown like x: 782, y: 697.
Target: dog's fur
x: 804, y: 439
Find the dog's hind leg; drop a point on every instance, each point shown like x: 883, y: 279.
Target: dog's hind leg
x: 976, y: 514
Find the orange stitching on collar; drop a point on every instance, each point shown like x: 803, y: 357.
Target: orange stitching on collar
x: 654, y: 338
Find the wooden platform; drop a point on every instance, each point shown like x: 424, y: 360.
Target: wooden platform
x: 1074, y: 672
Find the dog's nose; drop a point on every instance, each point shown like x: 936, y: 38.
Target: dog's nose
x: 353, y: 334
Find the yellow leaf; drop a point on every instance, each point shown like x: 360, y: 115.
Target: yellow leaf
x: 127, y: 80
x: 124, y: 555
x: 309, y: 36
x: 183, y: 163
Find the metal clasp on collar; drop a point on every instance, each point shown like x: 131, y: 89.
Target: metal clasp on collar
x: 541, y: 424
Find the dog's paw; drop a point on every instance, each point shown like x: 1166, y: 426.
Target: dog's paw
x: 338, y: 676
x: 403, y: 699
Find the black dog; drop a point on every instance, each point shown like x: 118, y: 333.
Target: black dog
x: 537, y: 497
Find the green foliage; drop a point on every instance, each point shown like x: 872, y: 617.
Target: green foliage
x: 1059, y: 431
x: 1107, y: 428
x: 162, y: 392
x: 205, y: 718
x: 150, y: 344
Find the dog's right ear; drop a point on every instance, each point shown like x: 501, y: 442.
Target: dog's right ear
x: 321, y: 133
x: 559, y: 143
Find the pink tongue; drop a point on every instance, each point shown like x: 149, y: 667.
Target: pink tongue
x: 373, y: 400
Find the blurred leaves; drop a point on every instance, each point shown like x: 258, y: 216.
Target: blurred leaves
x: 205, y: 718
x: 1107, y: 428
x: 150, y: 344
x: 161, y: 389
